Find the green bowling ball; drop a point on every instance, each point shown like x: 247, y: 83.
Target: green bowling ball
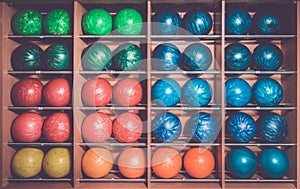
x: 57, y: 57
x: 57, y: 22
x: 128, y: 21
x: 27, y: 22
x: 127, y: 57
x: 97, y: 22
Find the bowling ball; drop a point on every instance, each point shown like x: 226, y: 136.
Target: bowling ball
x: 198, y: 22
x: 27, y: 92
x: 166, y: 57
x: 241, y: 127
x: 27, y: 127
x: 166, y: 92
x: 57, y: 57
x: 242, y: 162
x: 267, y: 92
x: 204, y: 127
x: 57, y: 127
x: 237, y: 57
x: 57, y: 162
x: 128, y: 56
x: 27, y: 22
x: 96, y: 127
x: 97, y: 22
x: 96, y: 92
x: 57, y: 22
x: 266, y: 22
x: 273, y: 162
x: 57, y: 92
x: 166, y: 22
x: 199, y: 162
x: 272, y: 127
x: 96, y: 57
x: 132, y: 162
x: 166, y: 162
x: 128, y: 92
x: 197, y: 92
x: 27, y: 162
x: 27, y: 57
x: 128, y: 21
x: 197, y: 57
x: 238, y: 92
x: 238, y: 22
x: 166, y: 127
x: 128, y: 127
x: 267, y: 56
x: 97, y: 162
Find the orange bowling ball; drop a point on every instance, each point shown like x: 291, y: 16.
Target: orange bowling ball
x: 199, y: 162
x: 166, y: 162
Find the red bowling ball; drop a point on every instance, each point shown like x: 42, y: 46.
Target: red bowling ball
x: 128, y: 92
x: 57, y: 92
x: 96, y: 92
x: 27, y: 92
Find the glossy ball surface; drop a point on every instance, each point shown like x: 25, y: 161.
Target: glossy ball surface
x: 238, y: 92
x: 57, y: 92
x: 237, y: 57
x: 128, y: 21
x: 267, y: 92
x: 166, y: 22
x: 272, y: 127
x: 57, y: 57
x: 242, y: 162
x: 166, y: 57
x: 166, y: 92
x: 166, y: 127
x: 198, y: 22
x: 128, y: 56
x: 241, y: 127
x: 57, y: 22
x: 97, y: 22
x: 27, y: 22
x: 197, y: 57
x: 267, y: 23
x: 238, y: 22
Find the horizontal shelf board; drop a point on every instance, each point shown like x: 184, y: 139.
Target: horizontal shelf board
x: 190, y: 108
x: 260, y: 144
x: 112, y: 108
x: 38, y: 144
x: 111, y: 180
x: 39, y: 72
x: 184, y: 37
x: 110, y: 72
x: 282, y: 106
x: 260, y: 180
x: 113, y: 36
x: 111, y: 144
x: 185, y: 144
x: 39, y: 108
x: 254, y: 36
x: 186, y: 72
x: 40, y: 36
x: 257, y: 72
x: 39, y: 180
x: 184, y: 180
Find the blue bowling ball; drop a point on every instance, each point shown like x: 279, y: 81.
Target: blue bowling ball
x: 267, y: 92
x: 241, y: 127
x: 272, y: 127
x: 166, y: 22
x: 166, y: 127
x: 197, y: 92
x: 267, y: 56
x: 238, y: 92
x: 237, y: 57
x: 204, y: 127
x: 197, y: 57
x: 166, y: 92
x: 238, y: 22
x: 198, y: 22
x: 266, y: 23
x: 166, y: 57
x: 273, y: 162
x: 242, y: 162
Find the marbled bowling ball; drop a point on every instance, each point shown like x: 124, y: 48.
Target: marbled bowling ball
x: 166, y: 57
x: 166, y: 22
x: 238, y: 92
x: 197, y: 57
x: 238, y: 22
x: 237, y: 57
x: 198, y: 22
x: 266, y: 22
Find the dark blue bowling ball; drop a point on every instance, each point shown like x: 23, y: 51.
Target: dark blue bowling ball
x: 237, y: 57
x: 204, y: 127
x: 166, y: 57
x: 238, y: 22
x: 197, y: 92
x: 266, y: 23
x: 241, y: 127
x: 272, y: 127
x: 267, y: 92
x: 273, y: 162
x: 197, y: 57
x: 166, y: 92
x: 238, y: 92
x: 267, y: 56
x: 242, y: 162
x: 166, y: 22
x: 198, y: 22
x: 166, y: 127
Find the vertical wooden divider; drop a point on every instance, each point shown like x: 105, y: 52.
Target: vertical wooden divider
x: 1, y: 82
x: 298, y: 92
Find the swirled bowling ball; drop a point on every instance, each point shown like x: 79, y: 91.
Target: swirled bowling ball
x: 128, y: 56
x: 27, y: 22
x: 241, y: 127
x: 267, y: 56
x: 128, y: 21
x: 166, y: 57
x: 238, y: 22
x: 272, y: 127
x: 57, y: 22
x: 57, y: 92
x: 267, y: 92
x: 237, y: 57
x: 57, y: 57
x: 266, y: 22
x: 242, y: 162
x: 198, y: 22
x: 97, y: 22
x: 166, y: 92
x: 238, y: 92
x: 166, y: 22
x: 166, y: 127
